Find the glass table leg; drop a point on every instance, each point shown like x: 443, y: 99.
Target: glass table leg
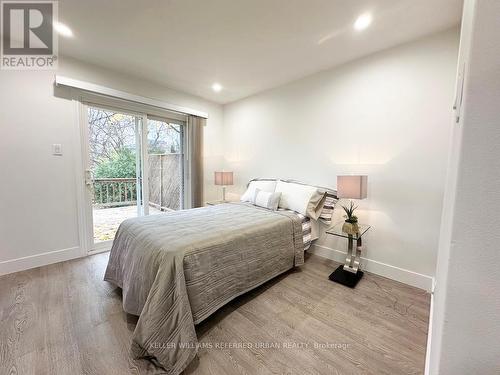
x: 352, y: 260
x: 349, y: 257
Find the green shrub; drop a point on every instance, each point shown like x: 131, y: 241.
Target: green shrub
x: 120, y: 165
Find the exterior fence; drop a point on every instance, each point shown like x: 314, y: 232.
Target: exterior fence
x: 165, y: 186
x: 115, y: 192
x: 165, y: 181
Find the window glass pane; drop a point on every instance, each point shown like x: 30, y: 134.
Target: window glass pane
x: 165, y: 165
x: 113, y: 155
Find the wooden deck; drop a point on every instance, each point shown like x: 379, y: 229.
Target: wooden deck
x: 107, y: 220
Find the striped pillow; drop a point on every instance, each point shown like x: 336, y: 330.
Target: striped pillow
x: 327, y: 211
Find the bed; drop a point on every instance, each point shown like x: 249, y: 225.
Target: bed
x: 176, y: 269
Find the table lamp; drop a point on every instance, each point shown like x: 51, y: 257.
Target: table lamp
x: 223, y: 179
x: 351, y: 187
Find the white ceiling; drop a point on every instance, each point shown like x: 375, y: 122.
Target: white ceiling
x: 246, y: 45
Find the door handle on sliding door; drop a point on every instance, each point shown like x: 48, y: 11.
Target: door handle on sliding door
x: 89, y: 178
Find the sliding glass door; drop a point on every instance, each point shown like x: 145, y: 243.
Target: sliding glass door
x: 166, y: 164
x: 134, y: 166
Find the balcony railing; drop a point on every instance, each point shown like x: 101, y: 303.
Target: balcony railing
x: 115, y: 192
x: 165, y: 186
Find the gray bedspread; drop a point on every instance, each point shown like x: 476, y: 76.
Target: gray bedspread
x: 176, y: 269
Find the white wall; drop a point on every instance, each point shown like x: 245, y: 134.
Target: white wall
x: 388, y: 116
x: 466, y: 314
x: 38, y: 207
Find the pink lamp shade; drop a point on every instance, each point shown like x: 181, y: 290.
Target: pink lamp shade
x: 223, y: 178
x: 352, y: 187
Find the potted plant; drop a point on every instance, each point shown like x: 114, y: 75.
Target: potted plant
x: 351, y: 221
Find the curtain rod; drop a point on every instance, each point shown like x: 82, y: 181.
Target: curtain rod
x: 98, y: 89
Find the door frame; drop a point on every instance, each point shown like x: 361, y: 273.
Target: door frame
x: 82, y: 101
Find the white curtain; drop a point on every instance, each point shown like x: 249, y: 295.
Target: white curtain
x: 195, y: 160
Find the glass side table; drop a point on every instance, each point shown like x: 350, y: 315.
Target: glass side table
x: 349, y: 274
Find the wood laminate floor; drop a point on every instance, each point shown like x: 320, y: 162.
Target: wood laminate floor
x: 63, y: 319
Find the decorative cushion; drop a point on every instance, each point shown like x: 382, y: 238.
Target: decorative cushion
x: 300, y: 198
x: 326, y: 212
x: 266, y: 199
x: 264, y: 185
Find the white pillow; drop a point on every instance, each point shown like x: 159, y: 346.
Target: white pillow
x: 266, y: 199
x: 264, y: 185
x: 299, y: 198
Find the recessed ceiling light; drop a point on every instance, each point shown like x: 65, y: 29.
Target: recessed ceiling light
x: 63, y: 30
x: 363, y: 21
x: 216, y: 87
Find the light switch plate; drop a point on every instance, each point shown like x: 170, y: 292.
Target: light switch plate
x: 57, y: 149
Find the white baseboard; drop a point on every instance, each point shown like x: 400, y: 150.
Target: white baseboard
x: 395, y: 273
x: 38, y: 260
